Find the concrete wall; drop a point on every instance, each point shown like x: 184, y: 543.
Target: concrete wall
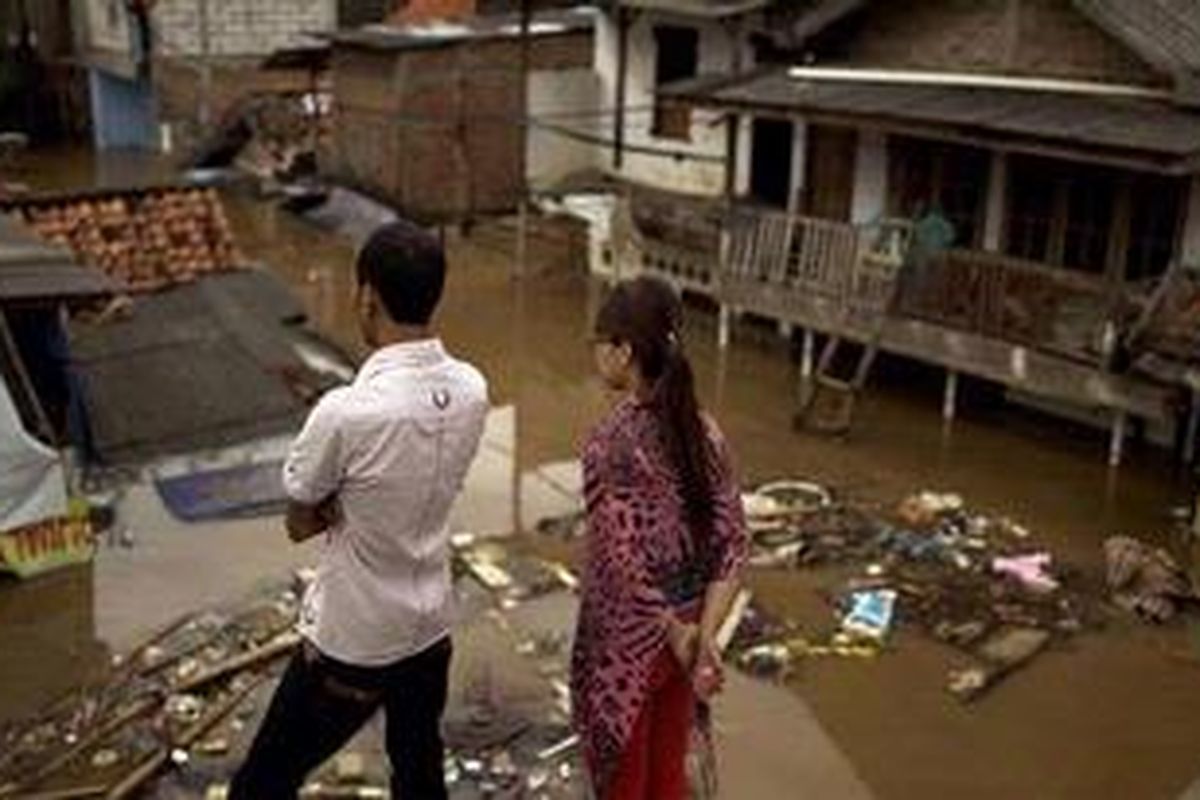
x: 564, y: 102
x: 1030, y: 37
x: 699, y: 166
x: 236, y: 27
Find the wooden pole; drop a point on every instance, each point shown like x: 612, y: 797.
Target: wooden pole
x: 150, y: 767
x: 1116, y: 446
x: 732, y: 126
x: 623, y: 24
x: 204, y: 99
x: 950, y: 400
x: 269, y: 652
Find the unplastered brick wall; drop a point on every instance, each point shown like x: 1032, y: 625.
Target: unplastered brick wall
x: 1048, y: 38
x: 240, y: 27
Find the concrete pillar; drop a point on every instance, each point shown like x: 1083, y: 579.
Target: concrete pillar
x: 870, y: 178
x: 1116, y: 446
x: 745, y: 145
x: 724, y: 321
x: 799, y: 165
x: 950, y: 400
x: 807, y: 352
x: 993, y: 226
x: 1190, y: 249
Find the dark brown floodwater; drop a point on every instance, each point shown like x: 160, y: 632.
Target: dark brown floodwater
x: 1118, y: 716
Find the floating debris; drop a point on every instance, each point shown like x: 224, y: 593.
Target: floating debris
x: 1145, y: 580
x: 870, y: 615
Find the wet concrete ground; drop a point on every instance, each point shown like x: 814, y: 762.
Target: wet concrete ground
x: 1116, y: 716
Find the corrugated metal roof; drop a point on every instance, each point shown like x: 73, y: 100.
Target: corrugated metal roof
x: 1153, y: 131
x: 1166, y: 33
x: 199, y: 366
x: 33, y: 270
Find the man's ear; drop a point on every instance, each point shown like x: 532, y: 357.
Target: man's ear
x: 625, y: 352
x: 364, y: 300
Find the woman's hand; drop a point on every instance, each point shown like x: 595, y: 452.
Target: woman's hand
x: 708, y: 673
x: 682, y: 638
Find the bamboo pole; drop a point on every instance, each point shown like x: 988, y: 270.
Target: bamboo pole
x: 134, y: 780
x: 262, y: 655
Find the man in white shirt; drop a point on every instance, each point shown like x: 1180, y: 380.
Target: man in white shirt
x: 375, y: 470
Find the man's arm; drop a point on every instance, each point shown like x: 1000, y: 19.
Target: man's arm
x: 305, y: 521
x: 312, y: 473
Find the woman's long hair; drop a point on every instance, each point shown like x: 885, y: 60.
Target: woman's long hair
x: 646, y: 314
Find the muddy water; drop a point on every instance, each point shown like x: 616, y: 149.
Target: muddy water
x: 1116, y: 716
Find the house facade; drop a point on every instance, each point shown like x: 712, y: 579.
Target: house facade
x: 448, y: 120
x: 186, y: 62
x: 1056, y: 146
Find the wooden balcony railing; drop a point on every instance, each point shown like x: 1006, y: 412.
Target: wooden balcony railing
x: 787, y: 261
x: 1010, y: 299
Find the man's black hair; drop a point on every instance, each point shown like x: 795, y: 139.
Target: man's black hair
x: 406, y: 267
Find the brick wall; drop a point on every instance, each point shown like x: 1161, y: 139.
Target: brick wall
x: 236, y: 27
x: 177, y: 88
x: 436, y: 131
x: 241, y: 27
x: 1025, y: 37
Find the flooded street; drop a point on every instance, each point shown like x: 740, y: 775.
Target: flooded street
x: 1115, y: 716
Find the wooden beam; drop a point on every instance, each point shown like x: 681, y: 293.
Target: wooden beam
x: 624, y: 21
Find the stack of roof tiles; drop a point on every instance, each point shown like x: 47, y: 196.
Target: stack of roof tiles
x: 147, y: 240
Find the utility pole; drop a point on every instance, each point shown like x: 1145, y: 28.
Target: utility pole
x: 204, y: 102
x: 523, y: 129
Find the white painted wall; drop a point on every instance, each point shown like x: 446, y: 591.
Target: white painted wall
x: 1190, y: 251
x: 106, y: 24
x: 564, y: 101
x: 236, y: 27
x: 702, y: 175
x: 870, y: 178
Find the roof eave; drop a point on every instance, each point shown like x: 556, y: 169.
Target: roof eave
x: 1123, y: 157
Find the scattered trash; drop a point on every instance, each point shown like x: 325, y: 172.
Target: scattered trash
x: 156, y: 704
x: 870, y: 615
x: 571, y: 526
x: 213, y: 747
x: 1145, y: 580
x: 184, y: 708
x: 1030, y: 570
x: 924, y: 509
x: 350, y: 768
x: 998, y: 657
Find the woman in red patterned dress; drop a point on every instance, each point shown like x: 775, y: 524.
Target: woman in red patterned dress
x: 665, y: 542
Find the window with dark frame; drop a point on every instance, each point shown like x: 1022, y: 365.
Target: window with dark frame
x: 1090, y: 200
x: 1031, y: 196
x: 1067, y: 215
x: 925, y: 175
x: 1155, y: 223
x: 676, y: 58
